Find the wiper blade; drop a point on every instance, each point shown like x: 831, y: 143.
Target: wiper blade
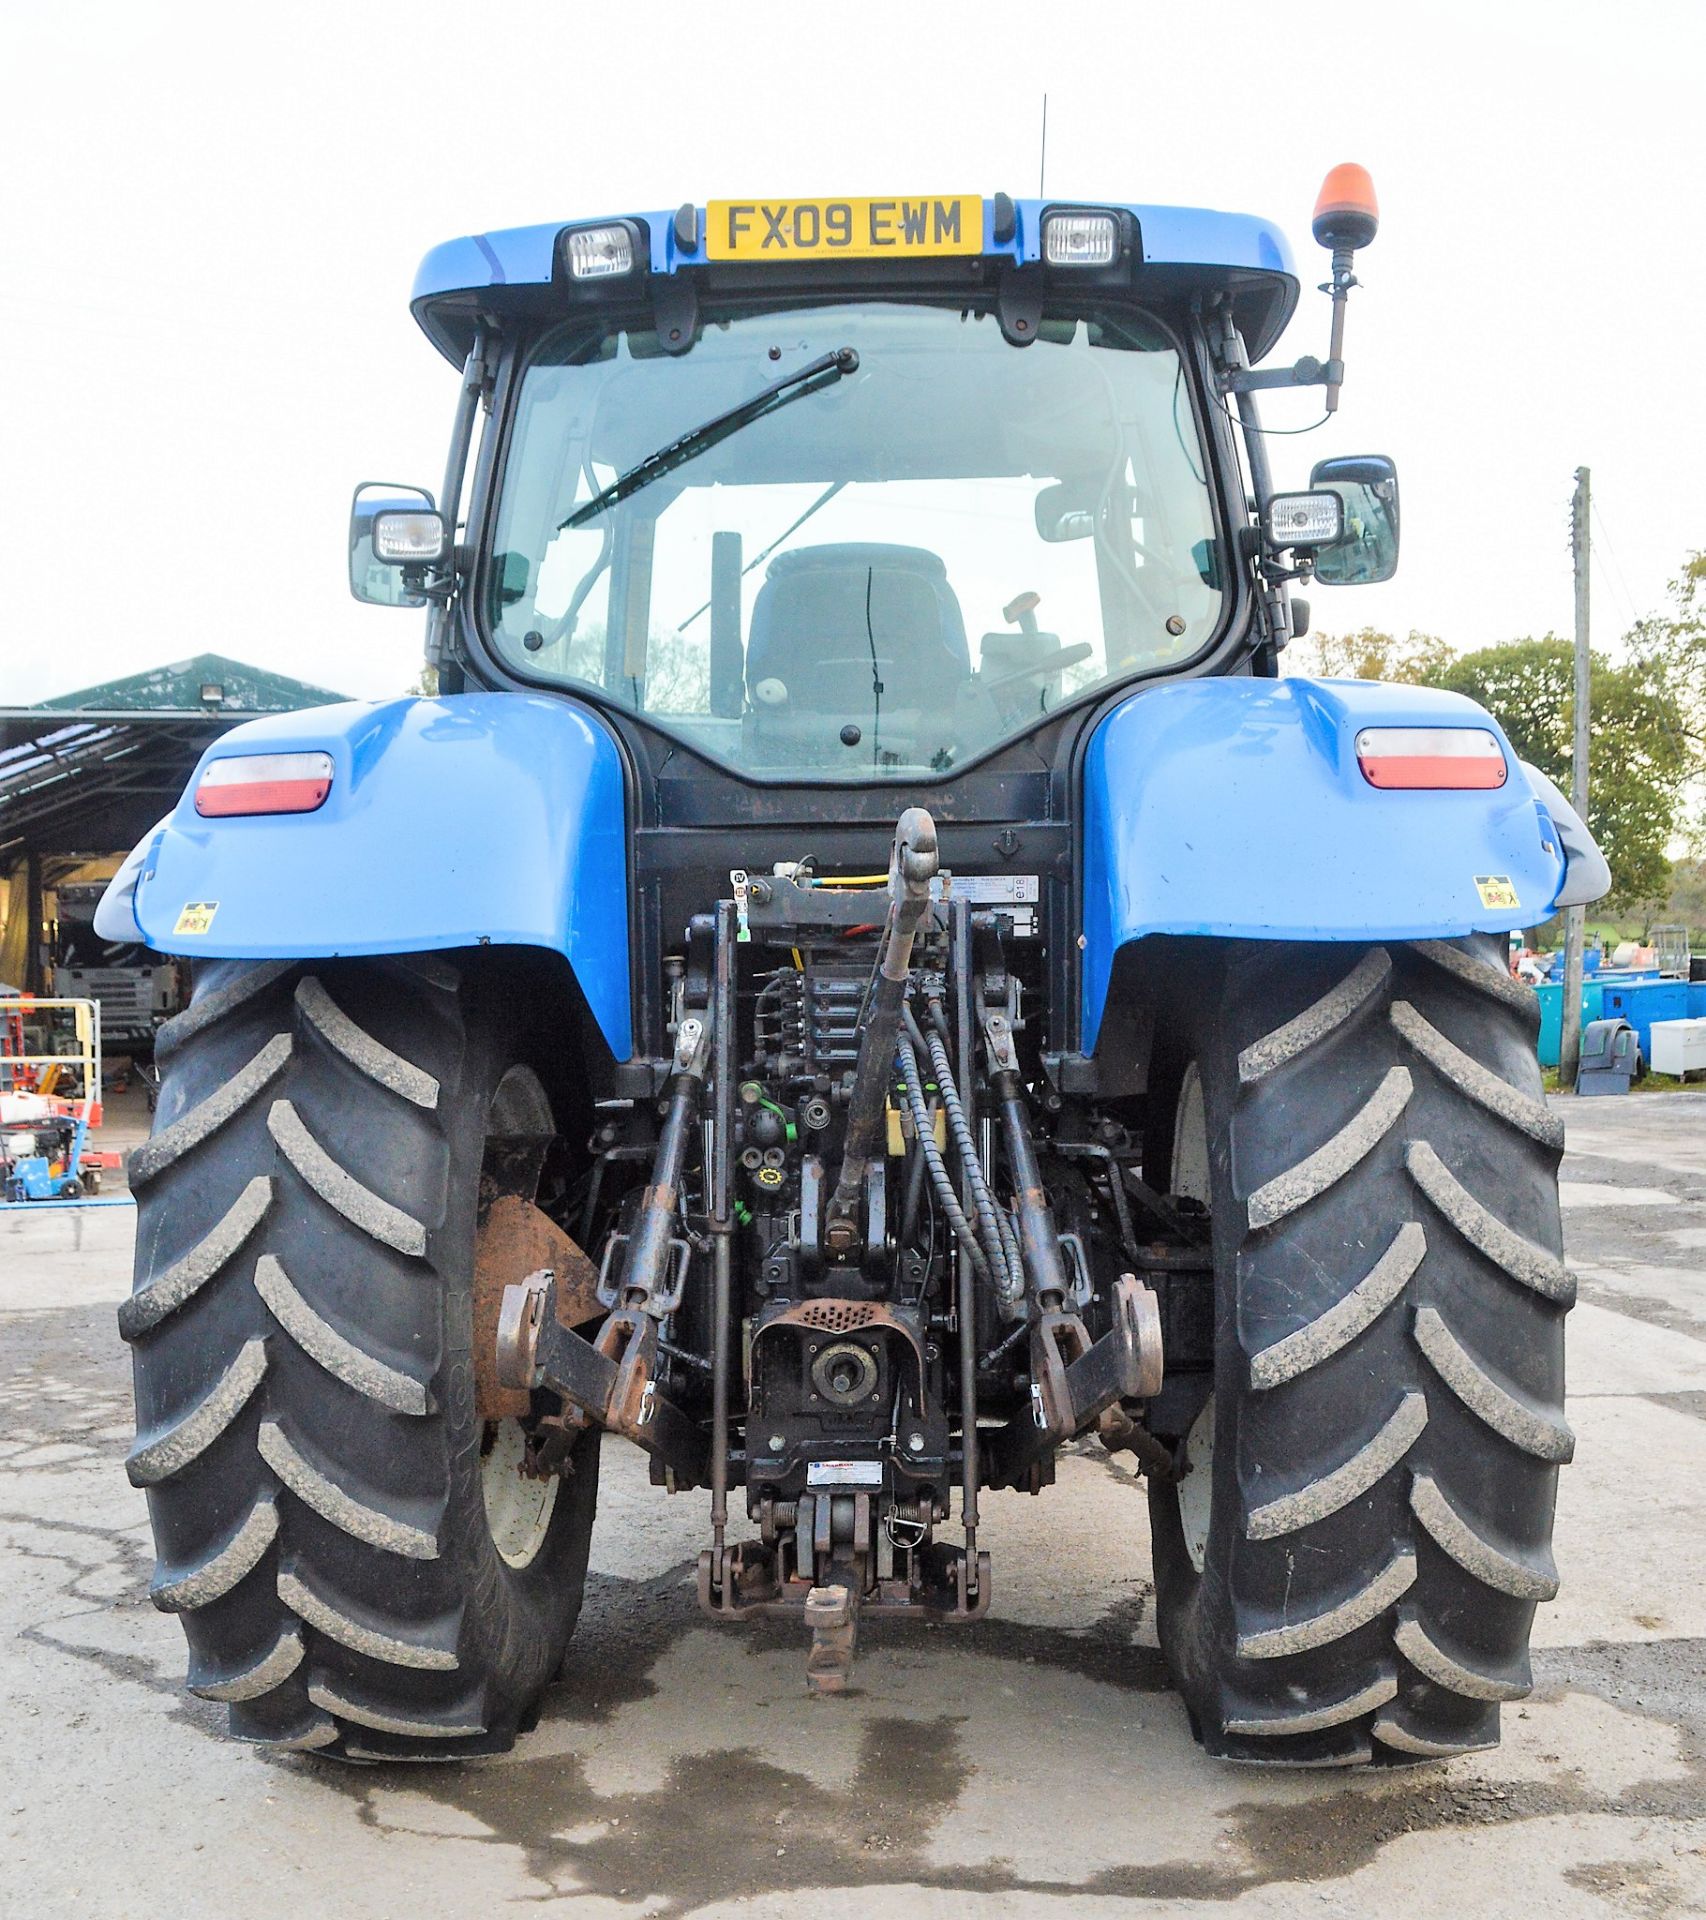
x: 813, y: 378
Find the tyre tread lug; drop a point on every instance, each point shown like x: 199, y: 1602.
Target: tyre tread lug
x: 319, y: 1491
x: 1346, y: 1482
x: 1316, y: 1023
x: 1316, y: 1172
x: 339, y: 1188
x: 165, y: 1148
x: 322, y: 1342
x: 356, y: 1045
x: 170, y: 1452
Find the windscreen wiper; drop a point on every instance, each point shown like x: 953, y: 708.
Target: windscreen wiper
x: 813, y: 378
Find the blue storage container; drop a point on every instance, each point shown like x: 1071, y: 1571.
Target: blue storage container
x: 1641, y: 1002
x: 1551, y: 998
x: 1550, y: 994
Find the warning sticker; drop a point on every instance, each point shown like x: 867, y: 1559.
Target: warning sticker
x: 1496, y: 890
x: 197, y: 916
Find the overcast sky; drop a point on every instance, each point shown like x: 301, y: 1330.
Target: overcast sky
x: 211, y: 216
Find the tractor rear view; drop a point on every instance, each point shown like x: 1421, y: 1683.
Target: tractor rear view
x: 866, y: 974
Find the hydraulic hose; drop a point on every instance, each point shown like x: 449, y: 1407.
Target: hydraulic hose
x: 940, y: 1179
x: 1001, y: 1247
x: 1011, y: 1251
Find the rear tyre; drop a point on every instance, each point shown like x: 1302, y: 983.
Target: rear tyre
x: 358, y: 1565
x: 1348, y: 1567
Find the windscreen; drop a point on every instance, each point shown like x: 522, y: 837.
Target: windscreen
x: 888, y: 574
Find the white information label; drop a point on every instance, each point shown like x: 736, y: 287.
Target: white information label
x: 991, y: 889
x: 844, y: 1473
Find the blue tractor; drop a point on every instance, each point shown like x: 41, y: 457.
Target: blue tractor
x: 865, y: 974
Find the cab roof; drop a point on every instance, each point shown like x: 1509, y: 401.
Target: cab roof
x: 517, y: 271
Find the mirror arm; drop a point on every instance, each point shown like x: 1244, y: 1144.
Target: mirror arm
x: 1307, y: 372
x: 1340, y: 288
x: 1273, y: 606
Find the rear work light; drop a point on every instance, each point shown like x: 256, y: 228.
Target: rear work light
x: 1306, y: 519
x: 600, y: 253
x: 1430, y: 757
x: 404, y: 539
x: 264, y: 783
x: 1080, y: 239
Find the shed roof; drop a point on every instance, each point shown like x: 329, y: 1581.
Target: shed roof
x: 183, y: 686
x: 91, y: 771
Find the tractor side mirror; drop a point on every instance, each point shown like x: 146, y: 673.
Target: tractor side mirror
x: 396, y: 536
x: 1368, y: 553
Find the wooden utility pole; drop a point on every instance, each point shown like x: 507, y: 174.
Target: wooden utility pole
x: 1575, y: 918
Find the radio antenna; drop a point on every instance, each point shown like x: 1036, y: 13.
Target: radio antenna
x: 1042, y: 157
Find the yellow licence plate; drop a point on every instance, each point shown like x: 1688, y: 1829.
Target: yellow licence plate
x: 913, y: 225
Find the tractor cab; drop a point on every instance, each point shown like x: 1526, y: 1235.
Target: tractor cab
x: 859, y: 491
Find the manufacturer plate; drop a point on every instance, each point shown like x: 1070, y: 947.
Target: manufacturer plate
x: 845, y: 1473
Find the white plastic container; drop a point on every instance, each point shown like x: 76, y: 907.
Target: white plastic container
x: 1678, y: 1046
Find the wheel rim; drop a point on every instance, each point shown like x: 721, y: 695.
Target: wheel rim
x: 1190, y: 1140
x: 1195, y: 1487
x: 518, y: 1506
x: 1190, y: 1181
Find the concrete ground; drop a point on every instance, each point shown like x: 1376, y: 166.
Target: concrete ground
x: 1036, y: 1764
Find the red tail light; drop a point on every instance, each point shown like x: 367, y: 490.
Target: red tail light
x: 1430, y: 757
x: 264, y: 783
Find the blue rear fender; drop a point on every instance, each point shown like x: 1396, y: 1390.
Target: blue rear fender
x: 1237, y: 808
x: 478, y: 819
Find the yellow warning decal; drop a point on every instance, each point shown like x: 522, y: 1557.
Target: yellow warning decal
x: 197, y: 916
x: 1496, y: 890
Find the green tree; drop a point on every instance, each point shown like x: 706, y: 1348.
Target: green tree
x: 1369, y: 654
x: 1687, y: 902
x: 1641, y: 753
x: 1672, y: 647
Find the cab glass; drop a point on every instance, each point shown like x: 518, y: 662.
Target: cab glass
x: 883, y: 578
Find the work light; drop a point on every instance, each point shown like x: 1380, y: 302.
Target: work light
x: 600, y: 253
x: 1306, y: 519
x: 408, y: 539
x: 1080, y: 239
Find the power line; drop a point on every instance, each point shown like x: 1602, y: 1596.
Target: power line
x: 1617, y: 567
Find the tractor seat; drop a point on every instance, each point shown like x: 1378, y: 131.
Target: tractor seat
x: 810, y: 636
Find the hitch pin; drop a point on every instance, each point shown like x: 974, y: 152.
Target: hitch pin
x: 743, y: 895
